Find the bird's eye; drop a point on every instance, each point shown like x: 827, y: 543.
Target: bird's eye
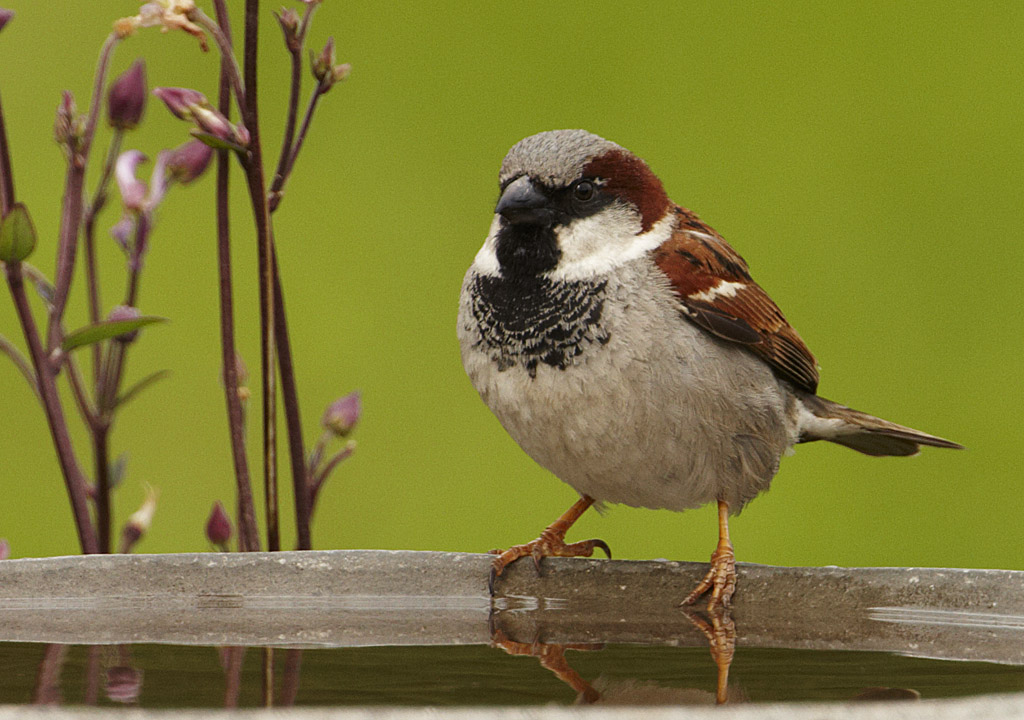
x: 584, y: 191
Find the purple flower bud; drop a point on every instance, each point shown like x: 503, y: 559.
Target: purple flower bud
x: 182, y: 102
x: 133, y: 190
x: 288, y: 19
x: 139, y: 521
x: 218, y: 527
x: 125, y: 312
x: 124, y: 684
x: 322, y: 63
x: 342, y: 415
x: 126, y: 100
x: 123, y: 231
x: 340, y: 72
x: 5, y: 549
x: 187, y: 162
x: 67, y: 126
x: 213, y: 123
x: 5, y: 17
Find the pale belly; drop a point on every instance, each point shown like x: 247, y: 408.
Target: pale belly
x: 670, y: 419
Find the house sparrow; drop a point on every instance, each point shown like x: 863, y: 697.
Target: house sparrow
x: 623, y: 344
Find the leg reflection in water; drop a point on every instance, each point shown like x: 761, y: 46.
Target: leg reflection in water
x: 716, y: 625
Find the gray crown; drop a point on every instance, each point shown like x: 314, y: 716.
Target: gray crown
x: 555, y: 157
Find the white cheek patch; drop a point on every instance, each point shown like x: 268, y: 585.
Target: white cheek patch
x: 486, y: 261
x: 600, y: 243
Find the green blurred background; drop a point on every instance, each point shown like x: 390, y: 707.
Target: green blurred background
x: 865, y: 158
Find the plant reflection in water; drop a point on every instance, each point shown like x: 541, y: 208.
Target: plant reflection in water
x: 122, y: 681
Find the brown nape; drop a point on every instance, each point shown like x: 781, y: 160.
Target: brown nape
x: 626, y: 176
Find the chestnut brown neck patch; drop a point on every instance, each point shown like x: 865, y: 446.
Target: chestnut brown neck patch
x: 627, y: 177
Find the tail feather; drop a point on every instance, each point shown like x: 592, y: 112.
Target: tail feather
x: 822, y: 419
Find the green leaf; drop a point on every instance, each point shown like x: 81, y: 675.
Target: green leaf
x: 215, y: 142
x: 91, y: 334
x: 142, y: 385
x: 17, y: 235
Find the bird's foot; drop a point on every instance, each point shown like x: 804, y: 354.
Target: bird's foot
x: 552, y: 657
x: 551, y: 543
x: 721, y: 635
x: 720, y: 579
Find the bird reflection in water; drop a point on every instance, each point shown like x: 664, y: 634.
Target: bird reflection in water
x: 717, y: 627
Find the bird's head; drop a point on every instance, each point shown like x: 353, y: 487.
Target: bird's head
x: 573, y: 205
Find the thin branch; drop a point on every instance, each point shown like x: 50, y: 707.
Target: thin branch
x: 290, y: 677
x: 277, y: 191
x: 21, y: 362
x: 227, y: 55
x: 248, y: 535
x: 321, y: 477
x: 99, y: 199
x: 253, y: 163
x: 71, y: 212
x: 85, y: 408
x: 101, y: 457
x: 295, y: 50
x: 6, y: 175
x: 73, y: 479
x: 45, y: 380
x: 293, y: 418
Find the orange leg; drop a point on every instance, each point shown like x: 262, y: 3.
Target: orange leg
x: 551, y: 542
x: 721, y: 578
x: 721, y: 635
x: 552, y: 657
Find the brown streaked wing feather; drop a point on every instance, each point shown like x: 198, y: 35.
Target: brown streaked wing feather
x: 696, y: 260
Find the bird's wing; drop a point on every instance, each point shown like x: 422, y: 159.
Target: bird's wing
x: 718, y: 294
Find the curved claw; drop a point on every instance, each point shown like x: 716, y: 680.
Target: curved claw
x: 603, y: 545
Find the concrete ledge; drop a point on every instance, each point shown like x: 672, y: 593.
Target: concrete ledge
x: 990, y: 707
x: 379, y: 597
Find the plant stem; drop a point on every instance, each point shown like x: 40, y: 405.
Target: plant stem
x: 295, y: 51
x: 293, y: 418
x: 6, y: 175
x: 253, y: 163
x: 45, y: 379
x: 290, y: 677
x: 101, y: 455
x: 277, y: 191
x: 248, y: 536
x: 222, y: 36
x: 71, y: 211
x: 73, y: 479
x: 99, y: 199
x: 87, y: 411
x: 20, y: 362
x: 233, y: 660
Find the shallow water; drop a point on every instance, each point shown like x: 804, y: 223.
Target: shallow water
x: 413, y: 628
x: 174, y: 676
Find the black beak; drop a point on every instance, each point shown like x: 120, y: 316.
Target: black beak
x: 522, y: 203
